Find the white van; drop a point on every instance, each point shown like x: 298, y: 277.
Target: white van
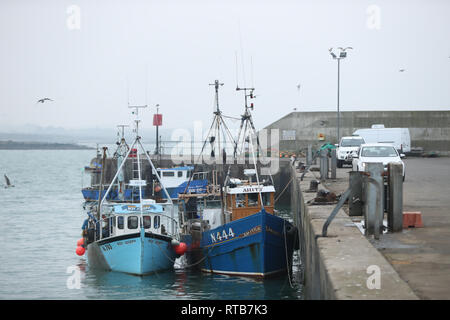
x: 346, y: 146
x: 398, y: 137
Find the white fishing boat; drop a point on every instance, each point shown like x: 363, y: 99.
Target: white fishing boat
x: 132, y: 237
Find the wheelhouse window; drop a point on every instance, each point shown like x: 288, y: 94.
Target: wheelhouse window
x: 253, y: 199
x: 240, y: 200
x: 132, y: 222
x: 120, y: 222
x: 147, y: 222
x: 266, y: 199
x: 180, y: 174
x: 168, y: 174
x: 156, y: 222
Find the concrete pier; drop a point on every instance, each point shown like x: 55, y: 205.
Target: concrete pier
x: 343, y: 265
x: 418, y: 259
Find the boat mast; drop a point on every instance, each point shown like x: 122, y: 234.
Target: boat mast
x: 218, y: 125
x: 139, y: 182
x: 121, y: 151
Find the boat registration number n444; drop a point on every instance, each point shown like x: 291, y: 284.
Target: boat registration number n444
x: 222, y: 235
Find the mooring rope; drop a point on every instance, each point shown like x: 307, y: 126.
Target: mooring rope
x: 186, y: 266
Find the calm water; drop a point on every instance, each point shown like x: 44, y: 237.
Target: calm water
x: 41, y: 221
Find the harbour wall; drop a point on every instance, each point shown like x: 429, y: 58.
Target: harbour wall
x: 344, y: 265
x: 429, y: 130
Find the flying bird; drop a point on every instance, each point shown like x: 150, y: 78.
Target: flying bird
x: 401, y: 70
x: 8, y: 182
x: 43, y: 100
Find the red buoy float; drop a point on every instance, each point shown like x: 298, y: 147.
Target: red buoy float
x: 180, y: 249
x: 80, y: 242
x: 80, y: 250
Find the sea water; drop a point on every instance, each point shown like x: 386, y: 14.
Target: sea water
x: 41, y: 218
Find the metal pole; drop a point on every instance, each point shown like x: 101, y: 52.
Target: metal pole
x: 395, y: 207
x: 333, y: 163
x: 309, y: 155
x: 157, y: 126
x: 338, y: 113
x: 356, y: 197
x: 374, y: 199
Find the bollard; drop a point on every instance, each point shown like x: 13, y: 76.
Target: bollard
x: 333, y: 163
x: 395, y: 205
x: 373, y: 202
x: 356, y: 197
x: 309, y: 155
x: 323, y: 165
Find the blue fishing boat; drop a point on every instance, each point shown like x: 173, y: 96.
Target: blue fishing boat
x: 132, y: 237
x: 244, y: 237
x: 132, y: 242
x: 176, y: 181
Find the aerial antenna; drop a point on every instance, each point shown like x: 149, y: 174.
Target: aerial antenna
x: 242, y: 51
x: 251, y: 70
x: 216, y: 85
x: 128, y: 92
x: 136, y: 113
x: 146, y: 84
x: 122, y: 126
x: 237, y: 70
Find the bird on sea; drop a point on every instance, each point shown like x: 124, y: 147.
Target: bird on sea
x: 43, y: 100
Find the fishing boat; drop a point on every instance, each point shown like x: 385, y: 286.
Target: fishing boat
x: 242, y: 236
x: 175, y: 179
x: 131, y: 237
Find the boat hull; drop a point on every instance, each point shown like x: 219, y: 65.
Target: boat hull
x: 194, y: 186
x: 139, y: 253
x: 256, y: 246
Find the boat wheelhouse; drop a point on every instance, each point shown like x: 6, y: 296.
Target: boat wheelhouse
x: 177, y: 179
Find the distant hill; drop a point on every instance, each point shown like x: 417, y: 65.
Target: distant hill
x: 20, y: 145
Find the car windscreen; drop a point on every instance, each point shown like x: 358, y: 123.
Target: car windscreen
x: 351, y: 142
x: 380, y: 151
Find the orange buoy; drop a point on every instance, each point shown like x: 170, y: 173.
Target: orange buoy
x: 180, y: 249
x: 157, y: 188
x: 80, y: 250
x: 80, y: 242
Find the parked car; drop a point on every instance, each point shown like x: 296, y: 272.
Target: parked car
x: 346, y: 146
x: 376, y: 152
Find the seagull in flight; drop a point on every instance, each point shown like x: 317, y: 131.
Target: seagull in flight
x: 401, y: 70
x: 43, y: 100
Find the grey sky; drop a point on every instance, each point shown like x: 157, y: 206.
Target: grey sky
x: 169, y: 51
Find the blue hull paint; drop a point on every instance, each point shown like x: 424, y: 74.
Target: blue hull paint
x: 251, y: 246
x: 195, y: 186
x: 137, y: 254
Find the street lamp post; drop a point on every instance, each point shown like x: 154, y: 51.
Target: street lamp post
x: 342, y: 55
